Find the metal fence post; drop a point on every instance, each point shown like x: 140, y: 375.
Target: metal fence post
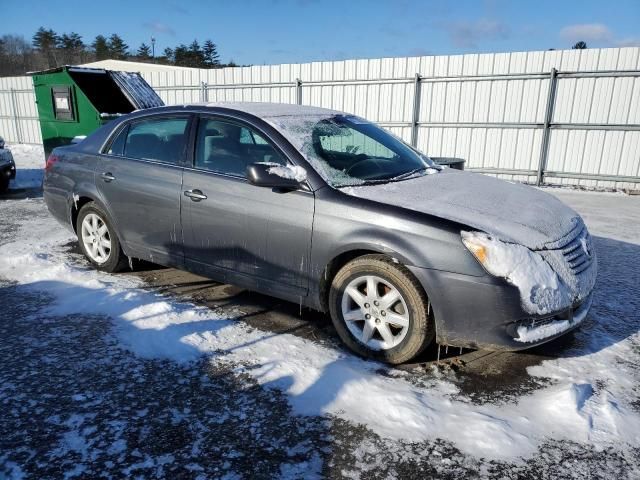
x: 548, y: 118
x: 204, y: 92
x: 298, y: 91
x: 14, y: 103
x: 415, y: 116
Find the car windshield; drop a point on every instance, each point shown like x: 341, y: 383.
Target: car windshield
x: 347, y: 150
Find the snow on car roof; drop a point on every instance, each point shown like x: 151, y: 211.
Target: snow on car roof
x: 270, y: 110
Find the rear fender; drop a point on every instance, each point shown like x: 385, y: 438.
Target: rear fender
x: 90, y: 191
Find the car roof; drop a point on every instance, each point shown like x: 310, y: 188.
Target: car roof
x: 271, y: 110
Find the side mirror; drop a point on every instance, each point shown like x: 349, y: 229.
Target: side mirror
x: 274, y: 175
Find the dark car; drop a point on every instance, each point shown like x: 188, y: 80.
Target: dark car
x: 7, y: 167
x: 327, y: 209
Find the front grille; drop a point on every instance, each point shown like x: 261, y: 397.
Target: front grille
x: 573, y: 258
x: 578, y: 252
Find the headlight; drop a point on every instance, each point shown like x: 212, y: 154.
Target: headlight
x: 541, y: 290
x: 483, y: 247
x: 475, y: 246
x: 503, y: 259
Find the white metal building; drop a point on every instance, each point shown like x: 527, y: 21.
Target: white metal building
x: 562, y: 116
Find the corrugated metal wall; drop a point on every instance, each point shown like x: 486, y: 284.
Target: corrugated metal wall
x: 490, y: 109
x: 18, y: 111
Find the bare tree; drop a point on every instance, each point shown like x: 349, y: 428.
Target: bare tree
x: 16, y: 55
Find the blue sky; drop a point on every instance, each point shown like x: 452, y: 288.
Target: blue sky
x: 291, y: 31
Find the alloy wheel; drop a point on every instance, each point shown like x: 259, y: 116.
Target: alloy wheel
x: 375, y: 312
x: 96, y: 238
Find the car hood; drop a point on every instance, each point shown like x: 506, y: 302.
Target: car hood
x: 512, y: 212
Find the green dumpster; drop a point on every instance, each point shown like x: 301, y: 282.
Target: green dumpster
x: 74, y: 101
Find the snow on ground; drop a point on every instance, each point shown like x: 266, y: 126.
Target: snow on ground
x: 590, y: 399
x: 588, y: 396
x: 29, y: 165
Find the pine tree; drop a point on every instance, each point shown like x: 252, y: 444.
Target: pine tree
x: 72, y: 47
x: 579, y: 45
x: 196, y: 56
x: 181, y: 55
x: 117, y: 48
x: 210, y: 52
x: 169, y: 55
x: 46, y: 41
x: 100, y: 47
x: 144, y: 51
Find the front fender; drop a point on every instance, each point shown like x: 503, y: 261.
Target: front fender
x: 379, y: 242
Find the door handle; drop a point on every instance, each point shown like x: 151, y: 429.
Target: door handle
x: 107, y: 176
x: 195, y: 195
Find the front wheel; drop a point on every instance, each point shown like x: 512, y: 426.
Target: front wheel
x: 98, y: 240
x: 380, y: 310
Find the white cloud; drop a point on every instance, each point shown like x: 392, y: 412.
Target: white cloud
x: 587, y: 32
x: 159, y: 27
x: 467, y: 34
x: 628, y: 42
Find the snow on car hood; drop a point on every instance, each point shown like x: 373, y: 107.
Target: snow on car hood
x: 510, y: 211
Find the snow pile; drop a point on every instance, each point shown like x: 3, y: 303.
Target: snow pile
x: 290, y: 172
x: 30, y: 163
x: 326, y: 381
x: 541, y: 290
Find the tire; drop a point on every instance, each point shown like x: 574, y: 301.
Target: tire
x: 4, y: 183
x: 395, y: 335
x: 111, y: 259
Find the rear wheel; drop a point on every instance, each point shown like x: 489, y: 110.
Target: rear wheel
x: 98, y: 240
x: 380, y: 310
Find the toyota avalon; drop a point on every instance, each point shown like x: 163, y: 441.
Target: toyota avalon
x: 327, y: 209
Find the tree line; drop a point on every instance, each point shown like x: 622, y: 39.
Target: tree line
x: 49, y: 49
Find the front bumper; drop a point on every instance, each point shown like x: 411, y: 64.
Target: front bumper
x: 486, y: 313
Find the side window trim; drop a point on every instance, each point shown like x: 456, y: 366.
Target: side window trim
x: 123, y: 128
x: 203, y: 116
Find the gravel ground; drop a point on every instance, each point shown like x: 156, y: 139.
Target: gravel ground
x: 77, y: 404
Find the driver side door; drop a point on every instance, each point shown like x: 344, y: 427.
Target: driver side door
x: 243, y: 234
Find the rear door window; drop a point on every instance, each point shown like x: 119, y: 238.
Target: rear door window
x: 159, y: 139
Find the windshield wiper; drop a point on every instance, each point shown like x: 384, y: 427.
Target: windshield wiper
x: 374, y: 181
x: 404, y: 175
x: 377, y: 181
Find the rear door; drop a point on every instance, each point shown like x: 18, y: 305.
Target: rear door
x: 252, y: 236
x: 140, y: 179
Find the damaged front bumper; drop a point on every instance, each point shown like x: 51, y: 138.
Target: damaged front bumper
x: 532, y: 331
x: 486, y: 313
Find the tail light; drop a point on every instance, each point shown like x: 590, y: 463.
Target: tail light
x: 50, y: 161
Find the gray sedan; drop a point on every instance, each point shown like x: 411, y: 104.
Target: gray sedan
x: 327, y: 209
